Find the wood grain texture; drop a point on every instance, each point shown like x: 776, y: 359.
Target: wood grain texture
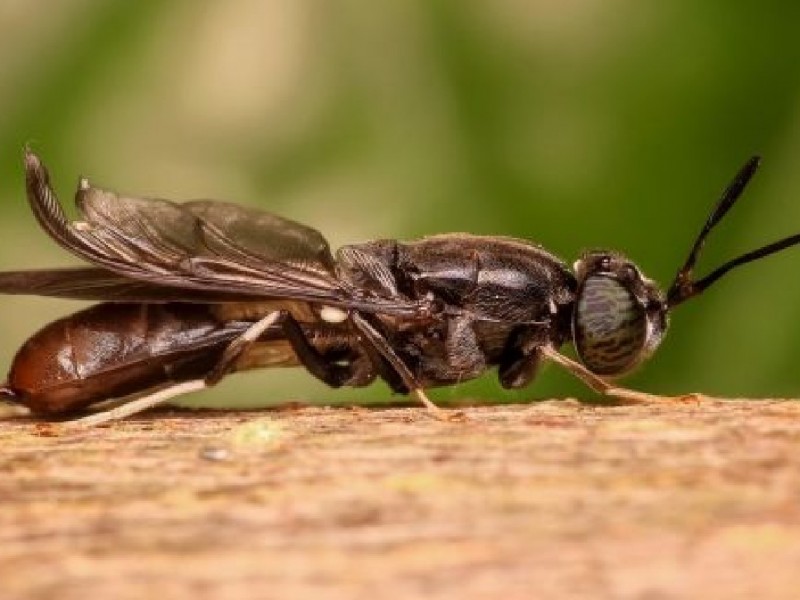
x: 550, y: 500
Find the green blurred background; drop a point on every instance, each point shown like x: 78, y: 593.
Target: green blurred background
x: 578, y: 124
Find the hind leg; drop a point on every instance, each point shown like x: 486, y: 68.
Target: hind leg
x: 357, y: 372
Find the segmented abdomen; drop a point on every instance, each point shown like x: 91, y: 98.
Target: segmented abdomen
x: 112, y: 350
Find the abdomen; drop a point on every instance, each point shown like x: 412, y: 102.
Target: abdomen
x: 113, y: 350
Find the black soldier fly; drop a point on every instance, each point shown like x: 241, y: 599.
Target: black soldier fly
x: 191, y: 292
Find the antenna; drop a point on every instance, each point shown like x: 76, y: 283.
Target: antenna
x: 685, y: 286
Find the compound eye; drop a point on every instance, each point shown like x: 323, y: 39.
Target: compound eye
x: 609, y: 326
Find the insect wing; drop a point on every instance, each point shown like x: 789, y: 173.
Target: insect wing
x: 248, y: 233
x: 95, y: 283
x: 190, y: 246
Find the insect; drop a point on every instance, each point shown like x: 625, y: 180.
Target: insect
x: 191, y: 292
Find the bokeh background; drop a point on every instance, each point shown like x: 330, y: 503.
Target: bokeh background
x: 582, y: 123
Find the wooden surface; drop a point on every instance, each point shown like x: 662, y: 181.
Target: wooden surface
x: 550, y: 500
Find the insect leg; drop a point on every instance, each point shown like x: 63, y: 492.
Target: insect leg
x: 383, y: 369
x: 600, y: 385
x: 319, y: 365
x: 139, y: 404
x: 9, y: 408
x: 332, y: 374
x: 377, y: 341
x: 316, y: 363
x: 240, y: 345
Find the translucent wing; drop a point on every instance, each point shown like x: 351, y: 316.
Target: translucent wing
x: 244, y: 233
x: 95, y: 283
x: 216, y: 247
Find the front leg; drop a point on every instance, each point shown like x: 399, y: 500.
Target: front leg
x: 601, y: 386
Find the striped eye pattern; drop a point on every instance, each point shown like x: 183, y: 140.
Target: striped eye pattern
x: 609, y: 327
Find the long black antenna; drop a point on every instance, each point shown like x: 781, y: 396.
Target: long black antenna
x: 684, y: 286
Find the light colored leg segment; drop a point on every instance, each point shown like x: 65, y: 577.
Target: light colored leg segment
x: 600, y: 385
x: 228, y: 359
x: 140, y: 404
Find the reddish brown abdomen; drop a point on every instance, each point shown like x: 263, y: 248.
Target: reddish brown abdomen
x: 113, y: 350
